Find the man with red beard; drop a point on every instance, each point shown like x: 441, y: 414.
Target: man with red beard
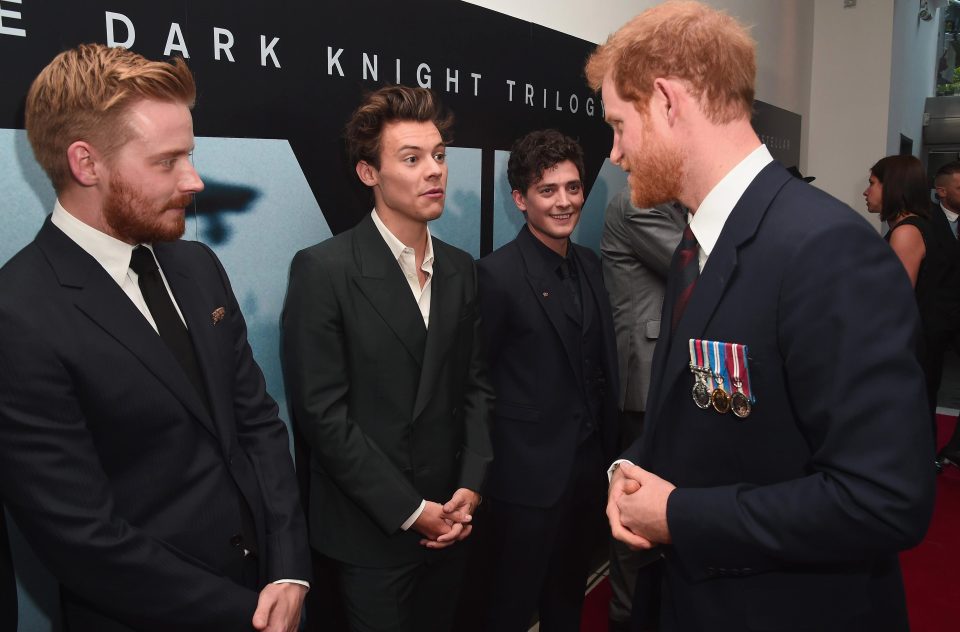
x: 553, y: 362
x: 140, y: 454
x: 786, y: 457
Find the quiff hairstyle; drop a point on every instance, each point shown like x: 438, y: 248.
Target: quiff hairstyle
x: 84, y: 94
x: 536, y: 152
x: 388, y: 105
x: 706, y: 49
x: 947, y: 170
x: 905, y: 187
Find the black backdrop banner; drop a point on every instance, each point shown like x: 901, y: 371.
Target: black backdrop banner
x: 295, y: 71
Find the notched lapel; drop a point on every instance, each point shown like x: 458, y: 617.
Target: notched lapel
x: 382, y: 282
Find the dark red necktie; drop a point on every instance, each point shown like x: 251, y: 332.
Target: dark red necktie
x: 686, y: 271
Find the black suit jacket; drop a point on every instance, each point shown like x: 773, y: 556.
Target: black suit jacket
x: 393, y: 412
x: 124, y: 485
x: 943, y: 264
x: 538, y: 375
x: 792, y: 517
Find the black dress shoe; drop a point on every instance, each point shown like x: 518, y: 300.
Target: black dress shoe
x: 948, y: 457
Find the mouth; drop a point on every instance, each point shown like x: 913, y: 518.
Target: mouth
x: 561, y: 217
x: 435, y: 193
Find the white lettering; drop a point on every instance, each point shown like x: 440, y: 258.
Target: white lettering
x: 13, y: 15
x: 112, y: 41
x: 368, y: 66
x: 175, y: 42
x: 589, y: 106
x: 455, y: 80
x: 544, y: 98
x: 528, y: 94
x: 574, y: 103
x: 222, y: 41
x: 334, y: 60
x: 556, y: 102
x: 511, y: 83
x: 476, y: 80
x: 398, y: 71
x: 266, y: 50
x: 423, y: 78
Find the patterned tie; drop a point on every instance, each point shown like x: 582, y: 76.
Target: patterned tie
x: 687, y: 270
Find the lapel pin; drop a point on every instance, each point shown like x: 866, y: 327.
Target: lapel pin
x: 546, y: 294
x: 217, y: 315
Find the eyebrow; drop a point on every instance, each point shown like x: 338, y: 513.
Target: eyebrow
x: 418, y: 147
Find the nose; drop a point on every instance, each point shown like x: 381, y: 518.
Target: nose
x: 563, y: 199
x: 435, y: 169
x: 616, y: 155
x: 191, y: 182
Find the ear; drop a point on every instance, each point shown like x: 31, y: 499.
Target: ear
x: 367, y: 173
x: 941, y: 192
x: 85, y: 163
x: 519, y: 200
x: 667, y: 99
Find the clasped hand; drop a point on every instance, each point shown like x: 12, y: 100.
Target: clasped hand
x: 637, y: 507
x: 444, y: 525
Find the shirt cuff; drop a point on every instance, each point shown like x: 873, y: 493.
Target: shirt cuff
x: 299, y: 582
x: 615, y: 465
x: 413, y: 517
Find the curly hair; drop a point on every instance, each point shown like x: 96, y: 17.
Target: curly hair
x: 537, y: 151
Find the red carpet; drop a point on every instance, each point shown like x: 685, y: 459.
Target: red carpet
x: 931, y: 572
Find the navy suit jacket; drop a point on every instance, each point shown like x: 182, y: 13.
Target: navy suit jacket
x: 537, y: 372
x: 792, y: 517
x: 122, y: 482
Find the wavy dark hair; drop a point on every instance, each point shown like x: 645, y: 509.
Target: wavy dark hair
x: 533, y: 153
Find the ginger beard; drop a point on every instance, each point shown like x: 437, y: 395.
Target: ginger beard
x: 136, y: 219
x: 655, y: 172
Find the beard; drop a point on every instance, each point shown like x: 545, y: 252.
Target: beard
x: 657, y: 175
x: 134, y: 219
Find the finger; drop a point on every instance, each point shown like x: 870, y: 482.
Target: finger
x: 452, y: 533
x: 629, y: 538
x: 433, y: 544
x: 630, y: 486
x: 457, y: 516
x: 466, y: 531
x: 265, y: 604
x: 631, y: 471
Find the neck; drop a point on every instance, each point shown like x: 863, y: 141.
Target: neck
x: 86, y: 205
x: 714, y: 150
x: 410, y: 232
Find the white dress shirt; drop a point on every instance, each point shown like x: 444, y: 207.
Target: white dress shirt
x: 951, y: 217
x: 406, y: 258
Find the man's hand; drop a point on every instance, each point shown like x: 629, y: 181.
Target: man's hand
x: 278, y: 609
x: 458, y: 512
x: 644, y: 511
x: 431, y: 523
x: 621, y: 486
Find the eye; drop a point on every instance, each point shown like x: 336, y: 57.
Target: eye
x: 410, y: 160
x: 574, y: 188
x: 546, y: 191
x: 440, y: 157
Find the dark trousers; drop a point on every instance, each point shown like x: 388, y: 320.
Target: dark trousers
x: 541, y: 556
x: 417, y: 597
x: 625, y: 564
x: 937, y: 342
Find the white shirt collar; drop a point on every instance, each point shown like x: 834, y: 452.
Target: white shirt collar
x: 951, y: 216
x: 110, y: 252
x: 713, y: 212
x: 396, y: 246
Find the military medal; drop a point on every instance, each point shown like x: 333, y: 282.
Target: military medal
x: 700, y: 392
x: 740, y: 403
x: 720, y: 399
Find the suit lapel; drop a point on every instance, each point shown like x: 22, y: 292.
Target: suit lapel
x: 102, y: 300
x: 720, y: 269
x: 382, y: 283
x: 445, y: 302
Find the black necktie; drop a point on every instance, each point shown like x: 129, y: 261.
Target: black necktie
x: 171, y: 328
x: 687, y: 270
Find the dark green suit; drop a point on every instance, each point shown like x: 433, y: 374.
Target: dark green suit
x: 393, y: 412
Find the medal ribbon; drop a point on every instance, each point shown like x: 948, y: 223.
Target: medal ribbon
x: 719, y: 356
x: 735, y: 359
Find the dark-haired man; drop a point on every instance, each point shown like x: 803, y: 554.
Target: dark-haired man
x: 943, y: 328
x: 552, y: 356
x: 140, y: 453
x: 385, y: 378
x: 785, y: 458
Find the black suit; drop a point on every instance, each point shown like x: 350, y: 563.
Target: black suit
x: 394, y: 412
x: 555, y: 376
x: 791, y: 518
x: 126, y: 487
x: 941, y: 313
